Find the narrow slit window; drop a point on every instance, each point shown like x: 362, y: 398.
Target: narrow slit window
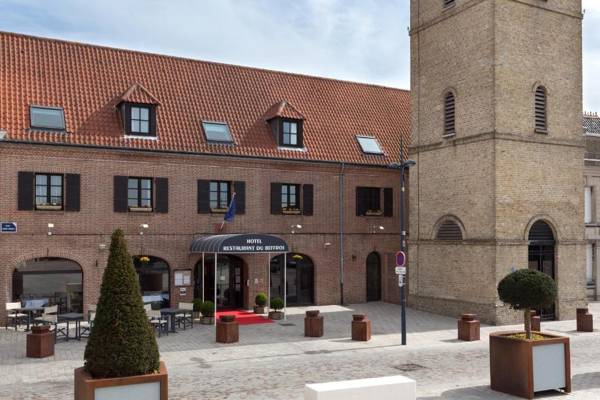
x: 541, y: 106
x: 449, y: 114
x: 448, y: 3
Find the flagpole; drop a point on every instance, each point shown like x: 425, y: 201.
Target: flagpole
x: 228, y: 208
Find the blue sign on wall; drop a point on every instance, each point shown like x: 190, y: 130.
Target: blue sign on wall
x: 9, y: 227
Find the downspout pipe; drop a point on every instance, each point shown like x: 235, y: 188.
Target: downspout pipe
x: 341, y: 208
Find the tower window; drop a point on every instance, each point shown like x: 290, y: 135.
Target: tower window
x: 449, y: 114
x: 541, y: 104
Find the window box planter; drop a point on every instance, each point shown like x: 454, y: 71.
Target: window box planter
x: 218, y: 210
x: 294, y: 211
x: 48, y: 207
x: 140, y: 209
x: 149, y: 387
x: 374, y: 213
x: 524, y: 367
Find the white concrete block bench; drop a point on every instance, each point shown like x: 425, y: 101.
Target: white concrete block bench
x: 386, y: 388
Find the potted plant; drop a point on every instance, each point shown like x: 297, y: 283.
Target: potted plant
x: 522, y: 363
x: 276, y: 305
x: 121, y: 356
x: 197, y: 306
x: 261, y: 301
x: 207, y: 309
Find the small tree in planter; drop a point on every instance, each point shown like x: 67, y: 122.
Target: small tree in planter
x: 515, y: 357
x: 121, y: 350
x: 207, y: 309
x: 277, y: 306
x: 261, y: 301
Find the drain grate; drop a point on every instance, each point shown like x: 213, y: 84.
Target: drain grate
x: 317, y: 352
x: 286, y: 324
x: 408, y: 367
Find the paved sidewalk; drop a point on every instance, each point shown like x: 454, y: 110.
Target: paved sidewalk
x: 274, y: 361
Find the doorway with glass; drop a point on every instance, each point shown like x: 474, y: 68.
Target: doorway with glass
x: 230, y: 281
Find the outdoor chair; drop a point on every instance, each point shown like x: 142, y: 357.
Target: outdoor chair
x: 59, y: 328
x: 13, y: 317
x: 157, y: 322
x: 185, y: 318
x: 86, y: 326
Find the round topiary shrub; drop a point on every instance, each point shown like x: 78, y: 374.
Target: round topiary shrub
x: 121, y: 342
x: 207, y: 309
x: 197, y: 304
x: 260, y: 300
x: 525, y: 289
x: 277, y: 304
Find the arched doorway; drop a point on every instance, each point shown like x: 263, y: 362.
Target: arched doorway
x: 153, y: 273
x: 542, y: 257
x: 299, y: 277
x: 373, y: 277
x: 230, y: 280
x: 49, y: 281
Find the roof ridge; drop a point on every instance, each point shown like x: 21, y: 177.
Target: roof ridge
x: 268, y: 70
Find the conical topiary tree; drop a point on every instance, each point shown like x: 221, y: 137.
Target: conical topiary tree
x: 525, y: 289
x: 121, y: 342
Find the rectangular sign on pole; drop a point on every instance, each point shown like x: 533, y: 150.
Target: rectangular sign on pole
x: 401, y: 280
x: 9, y: 227
x: 400, y: 270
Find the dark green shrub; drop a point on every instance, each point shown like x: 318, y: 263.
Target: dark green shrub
x: 197, y: 304
x: 260, y: 300
x: 122, y: 342
x: 207, y: 309
x: 526, y: 289
x: 277, y: 304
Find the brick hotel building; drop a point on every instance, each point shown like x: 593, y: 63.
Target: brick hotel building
x: 95, y: 138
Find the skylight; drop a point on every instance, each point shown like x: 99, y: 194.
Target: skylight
x: 217, y: 132
x: 47, y: 118
x: 369, y: 145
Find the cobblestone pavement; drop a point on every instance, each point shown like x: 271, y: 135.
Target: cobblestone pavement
x: 275, y: 361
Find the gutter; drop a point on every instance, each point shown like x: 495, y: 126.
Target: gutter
x: 341, y: 206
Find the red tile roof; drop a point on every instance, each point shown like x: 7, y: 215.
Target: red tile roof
x: 283, y: 109
x: 89, y: 81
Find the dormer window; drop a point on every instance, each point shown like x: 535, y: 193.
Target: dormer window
x: 47, y: 118
x: 290, y: 133
x: 139, y: 119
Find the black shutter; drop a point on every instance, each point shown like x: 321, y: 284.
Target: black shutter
x: 203, y: 196
x: 120, y: 194
x: 361, y: 201
x: 300, y: 133
x: 25, y: 190
x: 275, y: 198
x: 388, y: 202
x: 162, y: 195
x: 73, y: 192
x: 307, y: 199
x: 240, y: 197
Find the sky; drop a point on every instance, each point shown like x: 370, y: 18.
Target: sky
x: 357, y: 40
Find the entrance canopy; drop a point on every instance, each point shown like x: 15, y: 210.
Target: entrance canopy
x: 239, y: 244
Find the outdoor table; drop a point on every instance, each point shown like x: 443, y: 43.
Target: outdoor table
x: 171, y: 312
x: 72, y: 317
x: 29, y: 311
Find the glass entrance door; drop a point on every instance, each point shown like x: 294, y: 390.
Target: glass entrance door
x: 229, y: 281
x: 299, y: 279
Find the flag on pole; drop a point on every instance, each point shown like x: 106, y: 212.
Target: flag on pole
x: 230, y: 214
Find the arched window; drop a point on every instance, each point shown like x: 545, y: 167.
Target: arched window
x: 541, y: 106
x: 449, y: 114
x: 449, y: 230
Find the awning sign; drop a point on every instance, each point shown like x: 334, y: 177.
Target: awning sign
x: 9, y: 227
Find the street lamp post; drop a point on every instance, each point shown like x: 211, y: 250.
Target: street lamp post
x: 405, y: 165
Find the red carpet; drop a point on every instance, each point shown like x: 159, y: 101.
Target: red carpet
x: 246, y: 318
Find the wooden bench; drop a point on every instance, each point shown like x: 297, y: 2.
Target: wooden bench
x: 386, y: 388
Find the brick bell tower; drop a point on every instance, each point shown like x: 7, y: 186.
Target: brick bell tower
x: 497, y: 136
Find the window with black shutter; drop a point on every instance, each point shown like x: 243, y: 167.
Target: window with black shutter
x: 48, y: 192
x: 275, y: 198
x: 368, y: 201
x: 541, y: 104
x: 290, y: 198
x: 120, y: 194
x: 140, y: 194
x: 219, y: 196
x: 449, y: 114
